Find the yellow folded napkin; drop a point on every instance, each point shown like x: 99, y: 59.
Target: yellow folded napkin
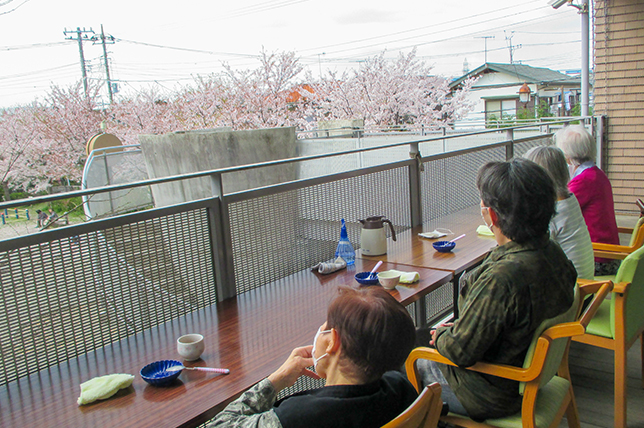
x: 103, y: 387
x: 406, y: 277
x: 484, y: 230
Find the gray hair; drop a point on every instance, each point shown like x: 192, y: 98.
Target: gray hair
x: 554, y: 162
x: 577, y: 144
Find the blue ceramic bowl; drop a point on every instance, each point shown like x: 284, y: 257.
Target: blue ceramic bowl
x: 444, y: 246
x: 363, y: 278
x: 157, y: 373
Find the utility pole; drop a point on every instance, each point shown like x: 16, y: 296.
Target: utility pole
x: 104, y: 41
x: 485, y: 37
x: 510, y: 47
x: 80, y: 36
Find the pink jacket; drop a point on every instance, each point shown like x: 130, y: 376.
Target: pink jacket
x: 595, y: 196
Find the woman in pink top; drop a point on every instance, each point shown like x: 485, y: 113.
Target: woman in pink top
x: 592, y: 189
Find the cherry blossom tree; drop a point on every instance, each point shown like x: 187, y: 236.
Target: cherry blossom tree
x: 390, y: 93
x: 45, y: 142
x: 259, y: 97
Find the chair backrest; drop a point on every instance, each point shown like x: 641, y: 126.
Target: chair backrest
x: 631, y: 270
x: 557, y: 348
x: 423, y: 412
x: 637, y: 238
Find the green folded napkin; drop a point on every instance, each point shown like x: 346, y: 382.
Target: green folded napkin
x: 484, y: 230
x: 103, y: 387
x: 406, y: 277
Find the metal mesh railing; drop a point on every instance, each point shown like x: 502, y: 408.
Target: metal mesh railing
x: 65, y: 297
x: 69, y: 291
x: 522, y: 147
x: 287, y: 229
x: 448, y: 184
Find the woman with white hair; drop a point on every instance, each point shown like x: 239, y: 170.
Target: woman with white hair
x: 592, y: 189
x: 567, y: 227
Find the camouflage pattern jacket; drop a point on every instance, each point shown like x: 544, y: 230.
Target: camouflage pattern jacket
x: 253, y: 409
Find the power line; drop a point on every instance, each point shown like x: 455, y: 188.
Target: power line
x: 187, y: 49
x: 34, y: 45
x: 478, y: 15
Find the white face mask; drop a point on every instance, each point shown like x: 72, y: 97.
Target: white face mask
x: 489, y: 226
x: 315, y: 339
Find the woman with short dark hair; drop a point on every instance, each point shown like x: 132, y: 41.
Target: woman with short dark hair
x: 358, y: 350
x: 523, y: 281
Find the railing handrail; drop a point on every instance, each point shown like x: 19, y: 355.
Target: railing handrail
x: 219, y: 171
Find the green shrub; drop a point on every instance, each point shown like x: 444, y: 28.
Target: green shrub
x: 18, y: 195
x: 64, y: 205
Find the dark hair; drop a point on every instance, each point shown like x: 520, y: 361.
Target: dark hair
x: 376, y: 332
x: 522, y: 195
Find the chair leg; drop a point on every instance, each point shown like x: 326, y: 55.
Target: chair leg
x: 572, y: 414
x: 620, y: 386
x: 642, y: 357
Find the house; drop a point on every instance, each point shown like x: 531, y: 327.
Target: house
x: 496, y: 92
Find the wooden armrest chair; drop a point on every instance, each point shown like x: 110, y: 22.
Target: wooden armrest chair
x: 424, y: 412
x: 610, y: 251
x: 544, y: 378
x: 619, y: 322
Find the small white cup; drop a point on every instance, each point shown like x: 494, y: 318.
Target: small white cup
x: 388, y: 279
x: 190, y: 346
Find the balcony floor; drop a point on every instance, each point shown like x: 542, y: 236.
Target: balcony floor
x: 591, y: 369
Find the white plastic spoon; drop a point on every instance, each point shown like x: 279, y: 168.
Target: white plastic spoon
x: 201, y: 369
x: 457, y: 238
x: 375, y: 268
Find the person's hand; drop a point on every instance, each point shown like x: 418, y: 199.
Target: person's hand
x: 294, y: 367
x: 432, y: 342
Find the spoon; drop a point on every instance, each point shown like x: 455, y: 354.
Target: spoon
x: 457, y: 238
x: 201, y: 369
x: 375, y: 268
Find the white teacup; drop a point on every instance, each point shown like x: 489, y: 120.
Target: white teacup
x: 389, y: 279
x: 190, y: 346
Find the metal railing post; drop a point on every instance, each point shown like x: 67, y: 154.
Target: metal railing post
x: 509, y: 149
x: 414, y: 186
x: 221, y: 241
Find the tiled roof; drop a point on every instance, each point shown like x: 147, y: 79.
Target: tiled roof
x: 523, y: 72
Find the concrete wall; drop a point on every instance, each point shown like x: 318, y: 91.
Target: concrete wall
x: 186, y: 152
x: 619, y: 94
x: 339, y: 127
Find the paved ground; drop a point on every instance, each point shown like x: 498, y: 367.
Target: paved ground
x: 18, y: 227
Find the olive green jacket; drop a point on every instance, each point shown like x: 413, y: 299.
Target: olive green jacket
x: 501, y: 304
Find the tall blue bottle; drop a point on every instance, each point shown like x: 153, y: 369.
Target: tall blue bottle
x: 345, y: 249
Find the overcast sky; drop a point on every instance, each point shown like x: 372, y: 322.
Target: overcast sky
x: 167, y: 43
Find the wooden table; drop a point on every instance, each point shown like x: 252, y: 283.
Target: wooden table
x: 411, y: 249
x: 251, y: 334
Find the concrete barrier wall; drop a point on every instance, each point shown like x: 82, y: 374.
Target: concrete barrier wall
x: 186, y: 152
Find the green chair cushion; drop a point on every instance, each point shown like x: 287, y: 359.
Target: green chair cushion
x: 549, y: 402
x: 600, y: 324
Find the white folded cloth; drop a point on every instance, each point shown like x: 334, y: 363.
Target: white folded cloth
x: 432, y: 235
x: 330, y: 267
x: 406, y: 277
x: 103, y: 387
